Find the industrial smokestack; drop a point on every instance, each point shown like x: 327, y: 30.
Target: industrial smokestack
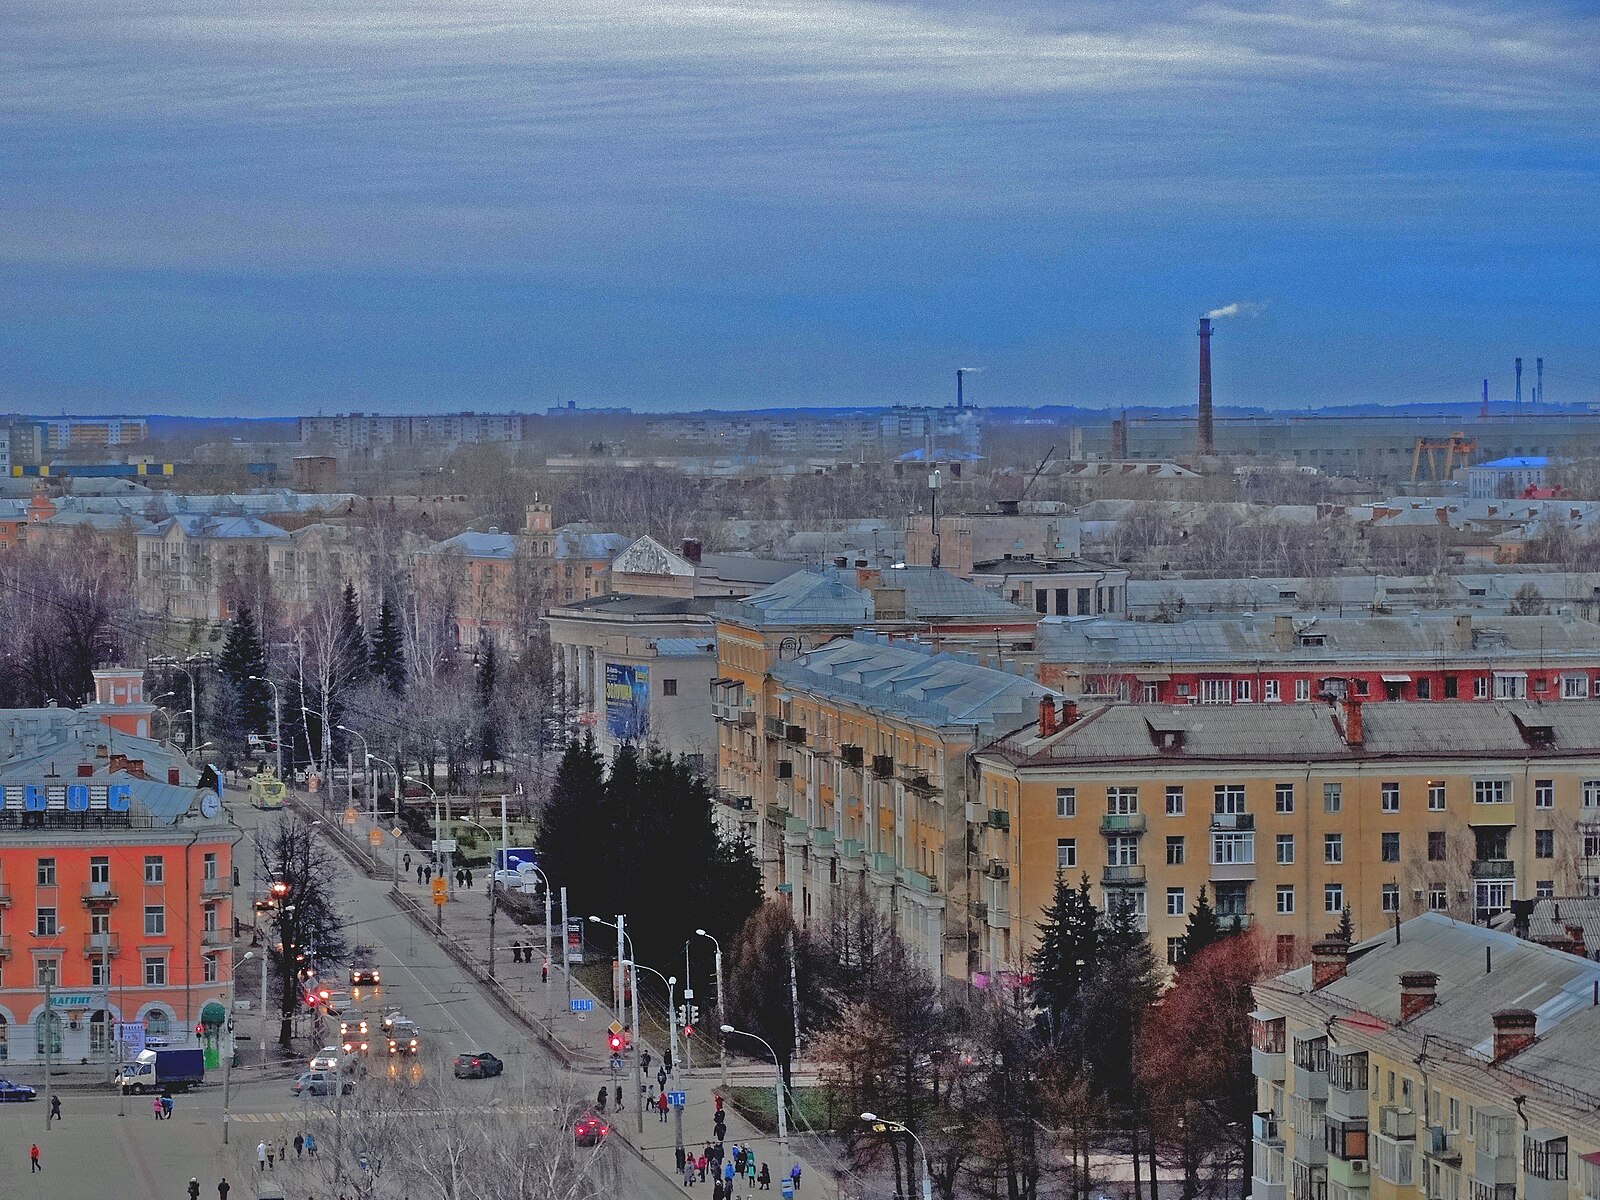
x: 1519, y: 380
x: 1204, y: 444
x: 1538, y: 381
x: 1119, y: 436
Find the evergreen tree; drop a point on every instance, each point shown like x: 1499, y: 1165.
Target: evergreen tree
x: 1203, y: 930
x: 1124, y: 987
x: 1346, y: 931
x: 352, y: 639
x: 573, y: 833
x: 1066, y: 957
x: 388, y: 657
x: 489, y: 727
x: 243, y: 662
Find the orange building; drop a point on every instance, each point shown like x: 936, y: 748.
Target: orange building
x: 116, y: 887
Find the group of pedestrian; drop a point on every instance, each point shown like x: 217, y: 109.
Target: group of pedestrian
x: 223, y: 1188
x: 464, y: 878
x: 162, y: 1107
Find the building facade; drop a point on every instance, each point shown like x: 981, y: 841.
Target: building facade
x: 190, y: 567
x: 959, y: 541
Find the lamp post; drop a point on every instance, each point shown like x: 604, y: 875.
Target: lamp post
x: 549, y: 1003
x: 194, y: 713
x: 493, y: 871
x: 277, y: 725
x: 783, y: 1120
x: 438, y: 824
x: 624, y: 956
x: 884, y: 1125
x: 366, y: 764
x: 672, y: 1027
x: 398, y: 788
x: 227, y: 1063
x: 722, y: 1013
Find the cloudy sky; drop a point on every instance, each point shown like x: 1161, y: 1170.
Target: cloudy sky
x: 274, y: 207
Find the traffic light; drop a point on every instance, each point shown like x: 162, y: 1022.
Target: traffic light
x: 666, y: 1061
x: 688, y: 1031
x: 614, y: 1040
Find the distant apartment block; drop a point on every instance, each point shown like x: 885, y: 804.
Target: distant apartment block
x: 376, y: 431
x: 71, y: 433
x: 856, y: 435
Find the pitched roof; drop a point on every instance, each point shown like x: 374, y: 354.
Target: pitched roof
x: 840, y: 596
x: 201, y: 525
x: 472, y: 544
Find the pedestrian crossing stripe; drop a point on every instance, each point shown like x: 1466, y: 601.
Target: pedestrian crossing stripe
x: 485, y: 1109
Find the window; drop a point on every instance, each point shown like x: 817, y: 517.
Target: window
x: 1175, y: 801
x: 99, y: 869
x: 1544, y: 793
x: 1591, y: 793
x: 1424, y: 688
x: 1269, y: 691
x: 1175, y: 851
x: 1438, y: 898
x: 1215, y: 691
x: 1147, y: 693
x: 1286, y: 898
x: 1285, y: 848
x: 154, y: 869
x: 1176, y: 906
x: 1333, y: 897
x: 1391, y: 897
x: 97, y: 972
x: 1389, y: 797
x: 1544, y: 843
x: 1066, y: 853
x: 669, y: 687
x: 208, y: 869
x: 1591, y: 843
x: 46, y: 874
x: 1122, y: 801
x: 1390, y: 843
x: 1544, y: 889
x: 1243, y: 691
x: 1574, y: 687
x: 155, y: 970
x: 1284, y: 948
x: 1436, y: 845
x: 1332, y: 797
x: 1122, y: 850
x: 157, y: 1024
x: 1435, y: 796
x: 1511, y: 685
x: 1491, y: 791
x: 1302, y: 689
x: 47, y: 1034
x: 155, y: 919
x: 1066, y: 802
x: 1480, y: 688
x: 208, y: 966
x: 1333, y: 848
x: 1174, y: 951
x: 44, y: 921
x: 1233, y: 848
x: 1228, y: 798
x: 1545, y: 1160
x: 1284, y: 800
x: 46, y: 972
x: 1453, y: 1108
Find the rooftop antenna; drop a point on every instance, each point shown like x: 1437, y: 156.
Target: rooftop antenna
x: 961, y: 372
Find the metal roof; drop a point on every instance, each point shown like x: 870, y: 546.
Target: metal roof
x: 841, y: 596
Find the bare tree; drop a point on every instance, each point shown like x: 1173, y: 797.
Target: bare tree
x: 309, y: 929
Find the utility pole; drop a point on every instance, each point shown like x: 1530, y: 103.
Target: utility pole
x: 794, y: 994
x: 621, y: 1005
x: 638, y: 1049
x: 49, y: 1038
x: 566, y: 947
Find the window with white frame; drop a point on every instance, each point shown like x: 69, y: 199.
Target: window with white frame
x: 1175, y: 800
x: 1216, y: 691
x: 1122, y: 801
x: 1175, y: 850
x: 1283, y: 798
x: 155, y: 970
x: 1574, y: 687
x: 1391, y: 897
x: 1147, y: 693
x: 1228, y: 798
x: 1510, y: 685
x: 1544, y: 793
x: 1269, y: 691
x: 1286, y: 899
x: 1332, y: 797
x: 1066, y: 853
x: 1491, y: 791
x: 1122, y: 850
x: 1333, y: 897
x: 1480, y: 687
x: 1302, y: 689
x: 1244, y: 691
x: 1591, y: 793
x: 1591, y: 843
x: 1438, y: 897
x: 1176, y: 905
x: 1333, y: 848
x: 1066, y: 802
x: 1285, y: 849
x: 1229, y: 849
x: 1389, y: 797
x: 1435, y: 795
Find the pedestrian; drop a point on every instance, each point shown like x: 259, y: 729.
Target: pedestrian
x: 427, y: 873
x: 299, y: 1145
x: 407, y: 860
x: 718, y: 1098
x: 311, y: 1146
x: 55, y: 1110
x: 619, y: 1097
x: 765, y: 1179
x: 283, y: 1150
x: 33, y: 1159
x: 460, y: 876
x: 600, y: 1098
x: 750, y: 1168
x: 544, y: 972
x: 687, y: 1168
x: 155, y: 1105
x: 727, y: 1177
x: 661, y: 1103
x: 261, y: 1158
x: 419, y: 874
x: 716, y: 1190
x: 272, y: 1154
x: 794, y: 1177
x: 700, y: 1165
x: 469, y: 879
x: 644, y: 1062
x: 166, y: 1108
x: 223, y: 1188
x: 194, y: 1188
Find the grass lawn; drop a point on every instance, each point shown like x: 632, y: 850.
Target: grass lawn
x: 817, y: 1108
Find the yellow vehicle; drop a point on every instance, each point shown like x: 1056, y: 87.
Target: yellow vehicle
x: 266, y: 791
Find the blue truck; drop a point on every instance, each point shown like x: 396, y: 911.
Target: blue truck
x: 163, y: 1071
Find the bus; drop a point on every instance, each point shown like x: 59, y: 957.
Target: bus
x: 266, y: 791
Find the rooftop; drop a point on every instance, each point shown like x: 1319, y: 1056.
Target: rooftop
x: 843, y: 596
x: 1023, y: 565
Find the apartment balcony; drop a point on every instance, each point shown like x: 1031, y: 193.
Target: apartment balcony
x: 1124, y: 823
x: 822, y: 839
x: 851, y: 848
x: 99, y: 894
x: 1398, y: 1124
x: 97, y: 944
x: 1237, y: 822
x: 1266, y: 1129
x: 215, y: 938
x: 5, y: 946
x: 1266, y: 1065
x: 217, y: 885
x: 997, y: 869
x: 1494, y: 868
x: 1349, y: 1173
x: 1226, y: 920
x: 5, y: 896
x: 772, y: 727
x: 1128, y: 876
x: 1234, y: 872
x: 916, y: 881
x: 1501, y: 813
x: 796, y: 829
x: 883, y: 864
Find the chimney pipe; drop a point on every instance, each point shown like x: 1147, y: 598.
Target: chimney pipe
x: 1119, y: 437
x: 1204, y: 443
x: 1069, y: 713
x: 1419, y: 991
x: 1513, y: 1031
x: 691, y: 549
x: 1519, y: 381
x: 1354, y: 731
x: 1538, y: 381
x: 1047, y: 716
x: 1329, y: 960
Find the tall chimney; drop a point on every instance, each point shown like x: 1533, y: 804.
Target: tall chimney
x: 1355, y: 735
x: 1329, y: 960
x: 1419, y: 991
x: 1119, y: 437
x: 1538, y: 381
x: 1513, y: 1031
x: 1204, y: 443
x: 1519, y: 380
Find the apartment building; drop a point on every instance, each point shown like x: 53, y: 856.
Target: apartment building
x: 959, y: 541
x: 1288, y: 814
x: 116, y: 897
x: 189, y: 567
x: 1438, y: 1061
x: 72, y: 433
x: 867, y: 800
x: 1284, y: 658
x: 1064, y: 587
x: 377, y: 433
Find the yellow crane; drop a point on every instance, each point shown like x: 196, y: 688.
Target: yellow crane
x: 1457, y: 446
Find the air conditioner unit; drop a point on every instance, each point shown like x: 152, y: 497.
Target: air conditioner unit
x: 1416, y: 893
x: 1358, y: 1166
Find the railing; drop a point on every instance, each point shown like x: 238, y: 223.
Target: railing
x: 1124, y: 823
x: 772, y: 727
x: 852, y: 848
x: 216, y: 885
x: 5, y: 896
x: 101, y: 943
x: 1235, y: 821
x: 1123, y: 876
x: 1494, y: 868
x: 883, y: 864
x: 215, y: 937
x: 5, y: 945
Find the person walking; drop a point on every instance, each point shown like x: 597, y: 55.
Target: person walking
x: 155, y: 1106
x: 427, y: 873
x: 299, y: 1145
x: 750, y: 1168
x: 283, y: 1150
x: 33, y: 1159
x: 223, y: 1188
x: 727, y: 1177
x: 272, y: 1154
x: 420, y: 872
x: 261, y: 1158
x: 619, y: 1097
x: 311, y: 1145
x: 167, y: 1104
x: 794, y: 1177
x: 764, y: 1180
x: 55, y: 1110
x: 469, y: 879
x: 194, y: 1188
x: 661, y: 1104
x: 406, y: 858
x: 700, y: 1165
x: 688, y: 1170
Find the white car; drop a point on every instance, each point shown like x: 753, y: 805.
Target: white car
x: 517, y: 881
x: 326, y: 1059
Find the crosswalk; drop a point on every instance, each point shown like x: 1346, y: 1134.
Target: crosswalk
x: 480, y: 1109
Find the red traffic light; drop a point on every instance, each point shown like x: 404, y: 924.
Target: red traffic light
x: 615, y: 1041
x: 688, y: 1031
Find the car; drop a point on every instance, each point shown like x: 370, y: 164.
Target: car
x: 12, y: 1093
x: 390, y: 1020
x: 365, y: 977
x: 349, y: 1029
x: 590, y: 1130
x: 320, y: 1083
x: 356, y: 1045
x: 517, y: 881
x: 404, y: 1040
x: 478, y: 1066
x: 326, y: 1059
x: 334, y: 1002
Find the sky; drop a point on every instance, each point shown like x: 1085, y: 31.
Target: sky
x: 275, y: 207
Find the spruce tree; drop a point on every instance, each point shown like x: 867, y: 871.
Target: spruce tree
x: 353, y: 664
x: 1117, y: 998
x: 1346, y: 930
x: 388, y: 657
x: 1067, y: 955
x: 489, y: 727
x: 573, y: 829
x: 1203, y: 930
x: 243, y: 662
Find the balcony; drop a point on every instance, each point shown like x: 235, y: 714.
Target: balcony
x: 921, y: 784
x: 95, y: 894
x: 772, y: 727
x: 1494, y: 868
x: 822, y: 839
x: 997, y: 869
x: 883, y: 864
x: 215, y: 938
x: 1237, y: 822
x: 1264, y: 1127
x: 5, y: 896
x: 1234, y: 872
x: 1128, y: 876
x: 1398, y: 1124
x: 97, y: 944
x: 1226, y: 920
x: 796, y: 828
x: 1124, y: 823
x: 918, y: 882
x: 883, y: 766
x: 1498, y: 813
x: 5, y: 946
x: 998, y: 818
x: 1349, y: 1173
x: 853, y: 756
x: 851, y: 848
x: 217, y: 885
x: 795, y: 735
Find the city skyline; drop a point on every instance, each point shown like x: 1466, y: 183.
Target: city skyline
x: 672, y: 206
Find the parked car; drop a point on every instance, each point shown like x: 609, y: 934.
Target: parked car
x: 320, y: 1083
x: 478, y: 1066
x: 326, y: 1059
x: 590, y: 1130
x: 11, y: 1093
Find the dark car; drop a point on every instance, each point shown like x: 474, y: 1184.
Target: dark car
x: 590, y: 1130
x: 12, y: 1092
x: 478, y: 1066
x: 365, y: 977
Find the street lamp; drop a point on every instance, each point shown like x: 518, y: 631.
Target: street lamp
x: 783, y: 1120
x: 277, y: 725
x: 722, y: 1013
x: 624, y: 955
x: 227, y: 1063
x: 884, y: 1125
x: 672, y: 1028
x: 194, y: 714
x: 366, y: 762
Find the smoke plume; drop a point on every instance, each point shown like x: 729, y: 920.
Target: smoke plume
x: 1240, y: 308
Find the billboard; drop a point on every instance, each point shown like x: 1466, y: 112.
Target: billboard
x: 627, y: 701
x: 512, y: 858
x: 575, y: 945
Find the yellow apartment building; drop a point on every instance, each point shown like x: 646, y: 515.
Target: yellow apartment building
x: 1287, y: 815
x: 1440, y: 1061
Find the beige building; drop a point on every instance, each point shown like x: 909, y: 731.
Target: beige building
x: 1440, y: 1061
x: 193, y: 567
x: 1288, y: 814
x: 958, y: 541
